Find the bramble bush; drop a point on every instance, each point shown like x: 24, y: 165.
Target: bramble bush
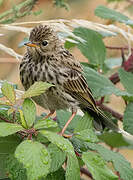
x: 32, y: 149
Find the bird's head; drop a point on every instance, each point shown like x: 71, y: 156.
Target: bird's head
x: 43, y: 39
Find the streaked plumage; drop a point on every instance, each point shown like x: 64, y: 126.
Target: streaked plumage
x: 50, y: 62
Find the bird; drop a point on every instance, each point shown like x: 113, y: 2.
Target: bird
x: 47, y: 60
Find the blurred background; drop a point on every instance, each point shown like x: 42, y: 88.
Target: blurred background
x: 48, y: 10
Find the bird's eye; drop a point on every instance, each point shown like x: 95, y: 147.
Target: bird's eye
x: 44, y: 43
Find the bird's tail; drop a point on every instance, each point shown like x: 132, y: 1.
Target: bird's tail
x: 101, y: 121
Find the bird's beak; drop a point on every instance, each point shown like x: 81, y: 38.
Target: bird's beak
x: 30, y: 44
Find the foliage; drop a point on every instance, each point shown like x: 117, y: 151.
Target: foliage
x: 32, y: 148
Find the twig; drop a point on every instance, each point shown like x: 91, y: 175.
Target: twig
x: 17, y: 11
x: 118, y: 48
x: 86, y: 172
x: 127, y: 65
x: 108, y: 109
x: 4, y: 119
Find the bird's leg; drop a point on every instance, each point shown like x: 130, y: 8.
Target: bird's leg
x: 69, y: 120
x: 50, y: 114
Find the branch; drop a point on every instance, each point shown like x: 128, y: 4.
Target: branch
x: 108, y: 109
x: 86, y: 172
x: 118, y: 48
x: 4, y: 119
x: 127, y: 65
x: 17, y: 11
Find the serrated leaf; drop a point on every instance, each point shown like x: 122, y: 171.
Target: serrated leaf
x: 113, y: 139
x: 58, y: 175
x: 3, y: 174
x: 87, y: 135
x: 36, y: 89
x: 7, y: 129
x: 35, y: 158
x: 93, y: 48
x: 99, y: 84
x: 8, y: 91
x: 84, y: 123
x: 120, y: 163
x: 128, y: 118
x: 84, y: 129
x: 45, y: 124
x: 23, y: 122
x: 15, y: 169
x: 79, y: 145
x: 72, y: 170
x: 57, y: 156
x: 107, y: 13
x: 126, y: 79
x: 29, y: 111
x: 97, y: 166
x: 59, y: 141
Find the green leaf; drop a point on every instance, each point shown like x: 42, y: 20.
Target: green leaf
x: 97, y: 166
x: 128, y: 118
x: 36, y: 89
x: 93, y: 48
x: 23, y: 122
x: 84, y: 129
x: 120, y: 163
x: 36, y: 13
x: 61, y: 4
x: 72, y: 170
x: 15, y: 169
x: 99, y: 84
x: 58, y: 175
x: 84, y: 123
x: 107, y: 13
x: 29, y: 111
x: 113, y: 139
x: 69, y: 45
x: 8, y: 91
x: 7, y: 129
x: 8, y: 144
x: 35, y: 158
x: 126, y: 79
x: 57, y: 156
x: 45, y: 124
x: 59, y: 141
x: 87, y: 135
x: 3, y: 174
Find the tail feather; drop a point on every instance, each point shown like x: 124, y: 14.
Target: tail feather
x: 101, y: 121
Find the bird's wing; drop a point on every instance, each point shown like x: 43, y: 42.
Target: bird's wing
x: 76, y: 84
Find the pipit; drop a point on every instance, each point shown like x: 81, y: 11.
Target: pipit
x: 47, y: 60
